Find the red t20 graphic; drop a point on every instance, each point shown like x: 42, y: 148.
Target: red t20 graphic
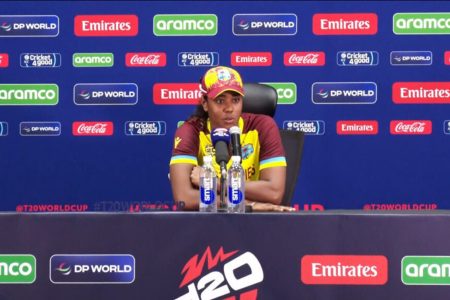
x: 221, y: 282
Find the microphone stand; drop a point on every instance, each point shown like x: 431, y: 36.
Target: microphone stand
x: 223, y: 186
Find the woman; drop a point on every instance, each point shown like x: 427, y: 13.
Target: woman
x: 262, y: 151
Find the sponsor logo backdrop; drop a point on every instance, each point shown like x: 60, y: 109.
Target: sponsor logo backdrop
x: 369, y: 84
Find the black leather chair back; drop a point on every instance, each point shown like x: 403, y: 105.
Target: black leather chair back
x: 262, y: 99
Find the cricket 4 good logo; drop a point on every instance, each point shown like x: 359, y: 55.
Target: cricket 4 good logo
x: 359, y: 127
x: 146, y: 59
x: 106, y: 25
x: 344, y: 269
x: 421, y: 23
x: 145, y: 128
x: 286, y: 91
x: 29, y: 94
x: 198, y: 59
x: 251, y: 59
x: 176, y: 93
x: 92, y: 60
x: 212, y: 276
x: 357, y: 58
x: 304, y: 59
x: 421, y: 92
x: 308, y: 127
x: 40, y: 60
x: 411, y: 58
x: 344, y: 93
x: 105, y: 94
x: 185, y: 25
x: 345, y: 24
x: 92, y: 128
x: 4, y: 60
x: 411, y: 127
x: 92, y: 268
x: 447, y: 126
x: 40, y: 128
x: 29, y: 26
x: 426, y: 270
x: 17, y: 268
x: 3, y: 128
x: 265, y: 24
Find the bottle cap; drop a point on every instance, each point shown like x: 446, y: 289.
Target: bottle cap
x: 236, y: 158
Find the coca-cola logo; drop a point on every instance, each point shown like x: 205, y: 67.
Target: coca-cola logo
x: 146, y: 59
x: 304, y: 58
x: 4, y: 60
x: 92, y: 128
x: 411, y: 127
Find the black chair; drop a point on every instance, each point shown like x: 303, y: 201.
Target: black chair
x: 262, y: 99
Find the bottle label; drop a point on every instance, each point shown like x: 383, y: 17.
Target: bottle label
x: 235, y: 195
x: 207, y: 195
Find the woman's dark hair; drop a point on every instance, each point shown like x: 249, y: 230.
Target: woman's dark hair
x: 199, y: 113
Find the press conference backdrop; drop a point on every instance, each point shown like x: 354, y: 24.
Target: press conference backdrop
x: 91, y: 94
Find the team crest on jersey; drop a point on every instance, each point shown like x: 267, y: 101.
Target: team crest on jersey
x: 247, y: 150
x: 209, y: 150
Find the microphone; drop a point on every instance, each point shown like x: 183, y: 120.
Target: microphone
x: 235, y: 133
x: 220, y: 139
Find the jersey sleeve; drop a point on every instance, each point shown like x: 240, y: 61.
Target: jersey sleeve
x: 185, y: 145
x: 272, y: 151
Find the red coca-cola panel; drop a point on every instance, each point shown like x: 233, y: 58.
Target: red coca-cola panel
x: 92, y: 128
x: 146, y: 59
x: 251, y: 59
x: 421, y: 92
x: 106, y: 25
x: 304, y: 59
x: 447, y: 57
x: 4, y: 60
x: 345, y: 24
x: 411, y: 127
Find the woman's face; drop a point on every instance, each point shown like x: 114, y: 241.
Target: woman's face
x: 224, y: 111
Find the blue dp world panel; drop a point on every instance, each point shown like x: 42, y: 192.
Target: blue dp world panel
x: 343, y: 66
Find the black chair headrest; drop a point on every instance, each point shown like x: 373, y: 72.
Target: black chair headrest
x: 260, y: 99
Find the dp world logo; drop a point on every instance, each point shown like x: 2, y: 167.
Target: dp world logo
x: 185, y: 25
x: 29, y: 26
x: 207, y: 271
x: 92, y: 268
x: 344, y: 93
x: 265, y: 24
x: 105, y: 94
x: 64, y: 269
x: 3, y: 128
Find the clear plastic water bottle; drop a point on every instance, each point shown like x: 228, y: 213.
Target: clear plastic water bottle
x: 208, y: 186
x: 236, y: 186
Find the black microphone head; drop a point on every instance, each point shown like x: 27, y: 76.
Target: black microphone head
x: 222, y: 152
x: 220, y: 139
